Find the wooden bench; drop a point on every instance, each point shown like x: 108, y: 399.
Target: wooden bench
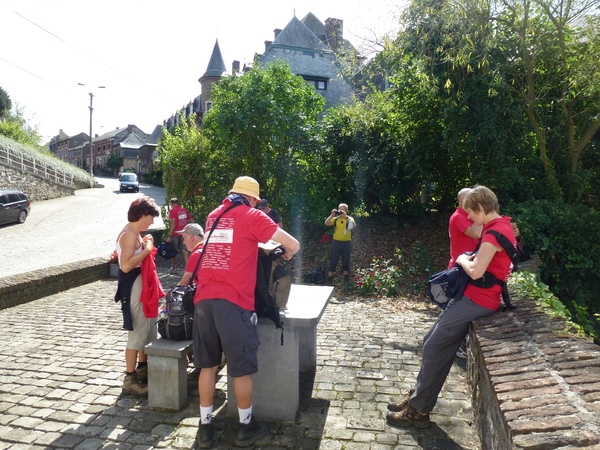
x: 276, y: 393
x: 167, y: 373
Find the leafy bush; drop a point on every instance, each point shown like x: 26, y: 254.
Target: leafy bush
x: 566, y: 239
x: 526, y: 286
x: 154, y: 177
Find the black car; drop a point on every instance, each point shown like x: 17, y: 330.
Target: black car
x: 129, y: 182
x: 14, y: 206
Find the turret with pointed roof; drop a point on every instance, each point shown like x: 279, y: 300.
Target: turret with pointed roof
x: 214, y: 72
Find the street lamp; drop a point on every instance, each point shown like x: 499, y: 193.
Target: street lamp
x: 91, y: 110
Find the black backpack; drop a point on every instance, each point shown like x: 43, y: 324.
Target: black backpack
x: 177, y: 323
x: 450, y: 283
x: 316, y: 276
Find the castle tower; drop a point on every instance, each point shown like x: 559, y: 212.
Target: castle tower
x: 214, y: 72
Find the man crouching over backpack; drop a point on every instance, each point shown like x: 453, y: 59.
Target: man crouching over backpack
x: 224, y: 319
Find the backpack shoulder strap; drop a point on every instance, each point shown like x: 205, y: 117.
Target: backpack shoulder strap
x: 214, y: 225
x: 510, y: 250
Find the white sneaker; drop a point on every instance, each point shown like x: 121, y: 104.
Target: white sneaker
x: 173, y: 271
x: 461, y: 353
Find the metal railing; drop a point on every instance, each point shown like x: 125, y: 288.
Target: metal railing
x: 35, y: 166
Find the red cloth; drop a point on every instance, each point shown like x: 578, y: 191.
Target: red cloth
x: 231, y: 255
x: 152, y: 290
x: 500, y: 266
x: 459, y: 242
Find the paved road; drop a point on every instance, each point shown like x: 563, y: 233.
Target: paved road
x: 68, y: 229
x: 61, y: 370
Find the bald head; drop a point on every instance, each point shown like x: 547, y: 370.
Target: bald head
x: 461, y: 196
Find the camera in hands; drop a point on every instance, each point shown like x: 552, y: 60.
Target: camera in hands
x: 338, y: 212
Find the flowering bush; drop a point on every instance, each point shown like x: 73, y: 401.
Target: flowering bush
x: 114, y: 257
x: 384, y: 276
x: 381, y: 278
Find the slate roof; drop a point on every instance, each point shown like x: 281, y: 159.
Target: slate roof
x: 133, y: 141
x: 156, y: 134
x: 296, y: 34
x: 315, y: 25
x: 110, y: 134
x: 216, y: 65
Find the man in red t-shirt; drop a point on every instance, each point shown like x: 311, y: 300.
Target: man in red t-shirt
x: 464, y: 234
x: 224, y: 318
x: 179, y: 218
x: 192, y: 237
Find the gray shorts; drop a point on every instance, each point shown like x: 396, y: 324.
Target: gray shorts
x: 144, y: 329
x: 222, y: 327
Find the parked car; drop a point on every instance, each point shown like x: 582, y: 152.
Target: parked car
x: 129, y: 182
x: 14, y: 206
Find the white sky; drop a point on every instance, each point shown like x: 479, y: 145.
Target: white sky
x: 148, y: 53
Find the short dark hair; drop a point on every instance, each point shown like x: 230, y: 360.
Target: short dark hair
x: 143, y: 206
x: 175, y: 201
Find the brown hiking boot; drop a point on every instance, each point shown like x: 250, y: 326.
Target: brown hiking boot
x: 399, y: 406
x: 408, y: 416
x: 142, y: 373
x: 132, y: 386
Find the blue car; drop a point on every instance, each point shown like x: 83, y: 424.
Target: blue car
x: 129, y: 182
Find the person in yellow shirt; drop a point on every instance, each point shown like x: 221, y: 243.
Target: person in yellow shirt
x: 342, y: 225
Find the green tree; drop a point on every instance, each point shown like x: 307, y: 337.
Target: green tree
x: 191, y: 171
x: 114, y: 161
x: 5, y: 103
x: 16, y: 127
x: 263, y: 121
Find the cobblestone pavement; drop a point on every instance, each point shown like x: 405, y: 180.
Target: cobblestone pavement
x: 62, y: 364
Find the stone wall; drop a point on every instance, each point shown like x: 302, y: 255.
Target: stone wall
x: 37, y: 189
x: 22, y: 288
x: 533, y: 385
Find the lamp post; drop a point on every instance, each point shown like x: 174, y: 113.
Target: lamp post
x: 91, y: 110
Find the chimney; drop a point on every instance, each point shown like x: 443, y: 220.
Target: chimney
x: 334, y: 30
x: 276, y: 32
x: 267, y: 43
x: 235, y: 66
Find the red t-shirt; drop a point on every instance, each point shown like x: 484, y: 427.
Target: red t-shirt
x: 231, y: 255
x: 500, y: 266
x: 459, y: 242
x: 193, y: 260
x: 181, y: 216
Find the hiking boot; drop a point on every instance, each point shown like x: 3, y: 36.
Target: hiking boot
x: 250, y: 433
x: 329, y: 281
x: 461, y: 353
x: 408, y: 416
x: 173, y: 271
x: 205, y: 435
x: 142, y: 373
x: 346, y: 278
x: 399, y: 406
x: 132, y: 386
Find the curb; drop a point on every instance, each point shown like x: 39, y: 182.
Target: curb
x: 25, y: 287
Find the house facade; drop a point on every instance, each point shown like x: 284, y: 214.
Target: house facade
x: 313, y: 50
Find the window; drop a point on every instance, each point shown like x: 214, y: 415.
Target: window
x: 321, y: 85
x: 208, y: 106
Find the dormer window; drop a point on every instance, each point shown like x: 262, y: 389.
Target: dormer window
x: 208, y: 106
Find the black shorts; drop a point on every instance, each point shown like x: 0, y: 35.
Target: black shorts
x: 222, y: 327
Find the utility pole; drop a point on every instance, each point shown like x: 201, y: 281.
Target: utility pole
x: 91, y: 110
